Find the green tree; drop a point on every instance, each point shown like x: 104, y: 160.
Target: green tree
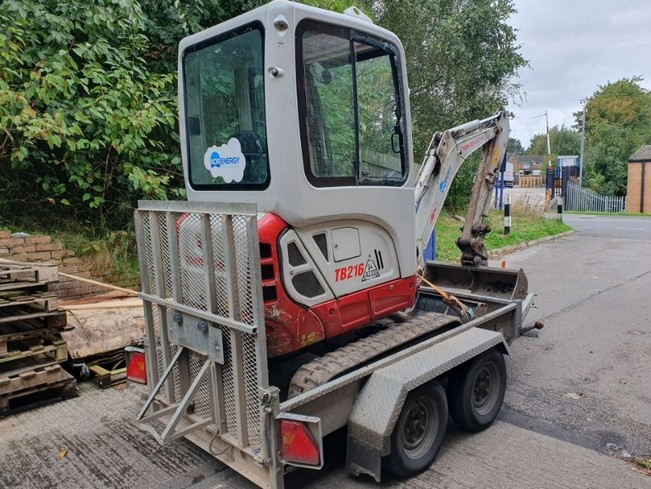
x: 618, y: 122
x: 563, y: 141
x: 462, y: 58
x: 515, y: 146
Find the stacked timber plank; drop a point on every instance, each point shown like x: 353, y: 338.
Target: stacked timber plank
x: 31, y: 347
x: 104, y: 325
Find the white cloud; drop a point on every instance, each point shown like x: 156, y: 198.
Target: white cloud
x: 573, y: 47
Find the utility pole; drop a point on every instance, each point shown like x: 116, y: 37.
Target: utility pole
x: 549, y: 146
x: 585, y: 108
x: 549, y: 184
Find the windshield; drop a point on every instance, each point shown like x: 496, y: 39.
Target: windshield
x: 351, y: 114
x: 224, y: 111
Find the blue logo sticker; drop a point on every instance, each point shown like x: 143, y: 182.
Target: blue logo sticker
x: 226, y: 161
x: 217, y: 161
x: 214, y: 160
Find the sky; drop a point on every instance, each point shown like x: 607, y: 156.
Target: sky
x: 573, y: 47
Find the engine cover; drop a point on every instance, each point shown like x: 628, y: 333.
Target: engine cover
x: 325, y: 280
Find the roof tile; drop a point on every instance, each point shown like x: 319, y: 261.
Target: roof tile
x: 642, y: 154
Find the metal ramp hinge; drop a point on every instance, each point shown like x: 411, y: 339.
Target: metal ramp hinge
x: 178, y: 411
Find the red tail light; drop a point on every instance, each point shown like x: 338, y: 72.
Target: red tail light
x: 299, y: 447
x: 136, y: 365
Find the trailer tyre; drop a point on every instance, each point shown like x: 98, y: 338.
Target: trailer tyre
x: 476, y: 391
x: 419, y: 431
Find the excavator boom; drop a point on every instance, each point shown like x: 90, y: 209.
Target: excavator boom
x: 448, y: 150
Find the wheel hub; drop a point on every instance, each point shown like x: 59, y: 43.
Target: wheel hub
x: 417, y: 431
x: 485, y: 390
x: 416, y: 426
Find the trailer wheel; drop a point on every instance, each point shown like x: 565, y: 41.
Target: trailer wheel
x: 476, y: 391
x: 419, y: 431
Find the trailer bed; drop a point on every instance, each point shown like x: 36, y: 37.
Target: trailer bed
x: 208, y: 370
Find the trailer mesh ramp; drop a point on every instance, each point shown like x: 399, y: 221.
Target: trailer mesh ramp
x: 204, y: 318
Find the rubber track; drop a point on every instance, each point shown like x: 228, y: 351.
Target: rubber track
x: 331, y: 365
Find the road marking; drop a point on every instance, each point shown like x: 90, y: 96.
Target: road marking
x: 631, y: 229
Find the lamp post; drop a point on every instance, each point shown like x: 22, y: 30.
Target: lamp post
x: 585, y: 109
x: 550, y: 190
x: 549, y: 146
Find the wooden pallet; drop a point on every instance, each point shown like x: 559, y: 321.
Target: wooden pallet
x: 49, y: 346
x: 26, y: 388
x: 16, y: 275
x: 37, y: 301
x: 24, y: 314
x: 22, y: 331
x: 31, y: 346
x: 29, y: 325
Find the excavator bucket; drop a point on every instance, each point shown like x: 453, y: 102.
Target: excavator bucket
x: 502, y: 283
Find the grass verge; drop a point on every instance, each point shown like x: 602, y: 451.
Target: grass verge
x: 525, y: 226
x: 111, y: 257
x: 644, y: 462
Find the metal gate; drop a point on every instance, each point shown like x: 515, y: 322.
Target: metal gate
x: 200, y: 274
x: 586, y: 200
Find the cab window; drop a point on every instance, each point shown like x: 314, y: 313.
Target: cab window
x: 225, y: 112
x: 350, y: 107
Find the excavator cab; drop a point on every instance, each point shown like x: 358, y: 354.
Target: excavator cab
x: 291, y: 97
x: 349, y: 100
x: 305, y: 113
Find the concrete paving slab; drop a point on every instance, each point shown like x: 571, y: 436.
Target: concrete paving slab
x: 103, y: 448
x: 508, y: 457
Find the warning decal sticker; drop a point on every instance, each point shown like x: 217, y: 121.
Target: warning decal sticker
x: 370, y: 271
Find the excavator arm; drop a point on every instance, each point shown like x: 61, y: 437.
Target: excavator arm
x: 446, y: 153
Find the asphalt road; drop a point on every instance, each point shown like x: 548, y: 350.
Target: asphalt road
x: 593, y: 297
x: 578, y: 394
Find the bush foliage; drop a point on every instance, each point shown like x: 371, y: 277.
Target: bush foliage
x: 618, y: 122
x: 88, y: 110
x: 88, y: 105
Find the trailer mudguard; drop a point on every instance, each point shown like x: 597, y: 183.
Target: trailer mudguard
x: 378, y: 405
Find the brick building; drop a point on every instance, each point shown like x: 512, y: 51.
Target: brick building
x: 638, y: 194
x: 526, y: 164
